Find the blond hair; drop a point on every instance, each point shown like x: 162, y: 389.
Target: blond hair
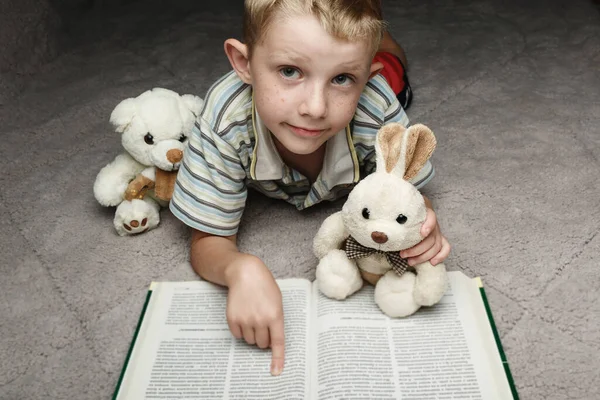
x: 343, y: 19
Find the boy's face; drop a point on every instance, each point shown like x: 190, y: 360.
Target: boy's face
x: 307, y: 83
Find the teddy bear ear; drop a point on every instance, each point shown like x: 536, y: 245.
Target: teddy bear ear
x: 193, y: 103
x: 123, y: 114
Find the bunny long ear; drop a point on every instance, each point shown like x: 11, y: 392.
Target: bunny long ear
x: 388, y: 147
x: 123, y: 114
x: 402, y: 151
x: 420, y: 144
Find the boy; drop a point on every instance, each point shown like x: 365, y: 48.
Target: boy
x: 296, y: 119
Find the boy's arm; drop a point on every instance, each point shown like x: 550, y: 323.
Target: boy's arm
x: 209, y: 196
x: 210, y: 255
x: 428, y: 203
x: 252, y: 313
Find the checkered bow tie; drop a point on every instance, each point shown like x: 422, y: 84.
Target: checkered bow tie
x: 356, y: 250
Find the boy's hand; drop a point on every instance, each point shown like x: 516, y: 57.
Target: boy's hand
x: 255, y: 307
x: 433, y: 248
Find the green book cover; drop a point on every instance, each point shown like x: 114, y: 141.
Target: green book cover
x: 135, y: 335
x: 488, y: 310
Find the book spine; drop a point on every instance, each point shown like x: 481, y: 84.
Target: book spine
x: 509, y: 376
x: 131, y: 346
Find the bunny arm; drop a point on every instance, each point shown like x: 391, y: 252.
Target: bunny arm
x: 330, y: 236
x: 431, y: 283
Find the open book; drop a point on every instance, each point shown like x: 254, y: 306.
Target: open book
x: 183, y: 349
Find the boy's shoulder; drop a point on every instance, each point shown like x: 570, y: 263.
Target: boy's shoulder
x: 378, y: 105
x: 228, y: 103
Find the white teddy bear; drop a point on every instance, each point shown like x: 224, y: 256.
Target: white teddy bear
x: 382, y: 216
x: 154, y: 127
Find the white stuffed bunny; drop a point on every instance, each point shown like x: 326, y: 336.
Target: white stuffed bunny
x: 154, y: 127
x: 382, y: 216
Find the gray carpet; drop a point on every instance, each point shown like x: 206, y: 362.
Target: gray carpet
x: 511, y: 89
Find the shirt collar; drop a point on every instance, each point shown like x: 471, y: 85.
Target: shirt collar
x: 339, y: 167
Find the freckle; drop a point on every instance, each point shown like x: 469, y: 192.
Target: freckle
x: 282, y: 100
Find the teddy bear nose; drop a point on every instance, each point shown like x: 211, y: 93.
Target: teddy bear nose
x: 174, y: 155
x: 379, y: 237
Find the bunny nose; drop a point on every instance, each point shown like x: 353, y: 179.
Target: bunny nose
x: 379, y: 237
x: 174, y: 155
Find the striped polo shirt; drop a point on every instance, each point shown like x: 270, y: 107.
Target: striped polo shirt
x: 231, y: 150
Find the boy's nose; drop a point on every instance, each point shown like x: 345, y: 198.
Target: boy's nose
x: 315, y: 103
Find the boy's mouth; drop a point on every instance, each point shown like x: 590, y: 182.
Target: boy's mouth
x: 305, y: 131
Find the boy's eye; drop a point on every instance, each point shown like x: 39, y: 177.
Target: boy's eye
x: 289, y: 72
x: 342, y: 80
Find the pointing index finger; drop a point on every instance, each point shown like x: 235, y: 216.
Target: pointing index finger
x: 277, y: 347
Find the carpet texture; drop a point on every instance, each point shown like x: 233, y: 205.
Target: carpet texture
x: 511, y: 89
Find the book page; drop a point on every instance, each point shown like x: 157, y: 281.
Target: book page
x: 185, y: 349
x: 352, y: 349
x: 439, y: 352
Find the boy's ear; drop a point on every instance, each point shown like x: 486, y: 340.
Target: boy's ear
x: 237, y: 53
x: 376, y: 68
